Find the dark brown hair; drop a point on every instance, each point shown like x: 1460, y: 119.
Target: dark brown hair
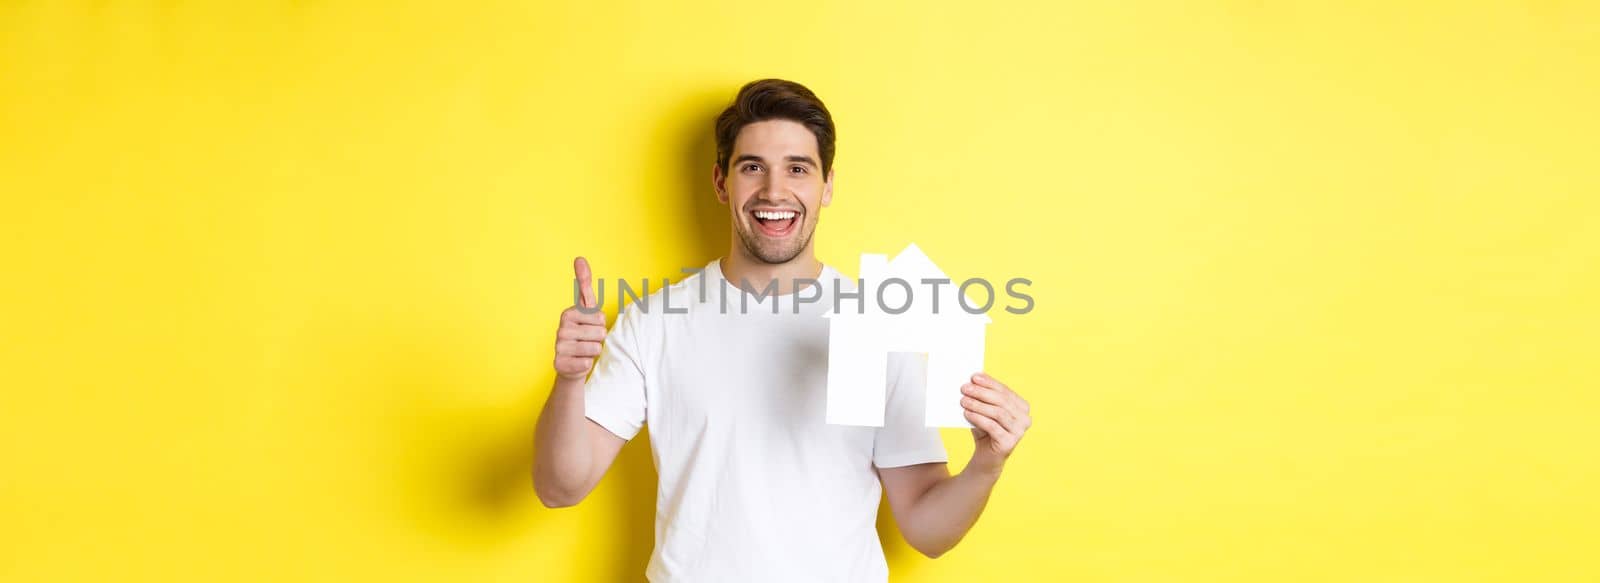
x: 775, y: 99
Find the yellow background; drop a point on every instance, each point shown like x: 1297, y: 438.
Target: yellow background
x: 1317, y: 283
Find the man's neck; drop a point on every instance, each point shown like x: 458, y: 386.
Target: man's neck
x: 740, y: 266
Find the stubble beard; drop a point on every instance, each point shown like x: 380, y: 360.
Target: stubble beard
x: 776, y: 252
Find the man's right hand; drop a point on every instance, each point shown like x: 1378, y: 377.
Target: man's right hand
x: 579, y: 336
x: 571, y: 453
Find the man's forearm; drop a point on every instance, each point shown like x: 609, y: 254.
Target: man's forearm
x: 562, y: 456
x: 944, y: 513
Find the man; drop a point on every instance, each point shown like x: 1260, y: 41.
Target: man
x: 754, y: 485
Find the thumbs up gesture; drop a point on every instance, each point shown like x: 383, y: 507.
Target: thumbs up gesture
x: 580, y: 334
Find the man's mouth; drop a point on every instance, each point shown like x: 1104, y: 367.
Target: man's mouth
x: 775, y: 222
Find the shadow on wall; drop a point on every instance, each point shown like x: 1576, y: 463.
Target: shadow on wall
x: 500, y: 477
x: 703, y: 227
x: 456, y: 465
x: 402, y: 439
x: 702, y: 224
x: 473, y: 466
x: 478, y: 484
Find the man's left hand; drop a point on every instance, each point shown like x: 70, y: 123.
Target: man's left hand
x: 1000, y: 418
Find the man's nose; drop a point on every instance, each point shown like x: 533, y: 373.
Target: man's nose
x: 774, y: 186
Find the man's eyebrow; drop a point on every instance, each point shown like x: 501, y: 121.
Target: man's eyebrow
x: 755, y: 158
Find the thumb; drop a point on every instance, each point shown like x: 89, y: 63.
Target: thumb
x: 585, y: 282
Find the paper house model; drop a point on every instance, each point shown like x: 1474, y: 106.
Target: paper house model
x: 860, y: 340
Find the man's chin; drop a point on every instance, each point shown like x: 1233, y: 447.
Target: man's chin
x: 775, y: 256
x: 772, y: 252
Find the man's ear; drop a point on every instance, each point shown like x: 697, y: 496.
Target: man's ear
x: 827, y: 189
x: 719, y: 182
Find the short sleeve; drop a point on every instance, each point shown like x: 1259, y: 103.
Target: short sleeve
x: 614, y: 396
x: 904, y: 440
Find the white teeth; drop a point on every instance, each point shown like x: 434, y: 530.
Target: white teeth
x: 775, y: 215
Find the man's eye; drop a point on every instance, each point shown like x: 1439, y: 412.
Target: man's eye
x: 752, y: 167
x: 797, y: 169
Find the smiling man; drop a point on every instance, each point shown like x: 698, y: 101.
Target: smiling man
x: 754, y: 486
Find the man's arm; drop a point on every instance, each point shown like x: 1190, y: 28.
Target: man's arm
x: 933, y: 509
x: 571, y: 452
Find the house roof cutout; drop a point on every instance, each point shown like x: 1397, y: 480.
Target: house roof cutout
x: 912, y: 266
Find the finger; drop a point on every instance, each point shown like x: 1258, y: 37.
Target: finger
x: 1001, y: 414
x: 985, y: 394
x: 576, y: 316
x: 989, y: 426
x: 585, y: 281
x: 577, y: 348
x: 1006, y: 411
x: 575, y: 331
x: 573, y: 364
x: 595, y: 318
x: 984, y: 380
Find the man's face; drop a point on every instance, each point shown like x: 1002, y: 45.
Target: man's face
x: 774, y: 188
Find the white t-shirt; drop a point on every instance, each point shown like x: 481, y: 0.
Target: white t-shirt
x: 754, y: 485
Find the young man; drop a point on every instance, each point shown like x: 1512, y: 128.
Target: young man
x: 754, y: 485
